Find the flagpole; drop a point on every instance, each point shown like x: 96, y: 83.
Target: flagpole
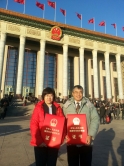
x: 105, y: 27
x: 43, y: 11
x: 65, y: 19
x: 24, y: 7
x: 81, y: 20
x: 94, y: 24
x: 55, y: 13
x: 6, y: 4
x: 116, y: 30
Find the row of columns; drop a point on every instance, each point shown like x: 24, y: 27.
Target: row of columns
x: 108, y: 78
x: 65, y: 69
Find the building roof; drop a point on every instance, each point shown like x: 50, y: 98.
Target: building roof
x: 36, y: 22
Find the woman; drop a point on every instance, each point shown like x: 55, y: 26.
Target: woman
x: 117, y: 110
x: 44, y: 156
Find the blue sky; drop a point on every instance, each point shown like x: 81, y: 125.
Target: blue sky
x: 110, y: 11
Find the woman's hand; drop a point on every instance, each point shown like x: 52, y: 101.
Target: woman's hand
x: 42, y: 145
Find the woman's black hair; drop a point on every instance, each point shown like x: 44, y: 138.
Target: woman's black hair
x: 48, y: 90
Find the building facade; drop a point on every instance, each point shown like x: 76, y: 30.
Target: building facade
x: 32, y: 59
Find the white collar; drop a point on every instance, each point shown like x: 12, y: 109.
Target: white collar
x: 77, y: 102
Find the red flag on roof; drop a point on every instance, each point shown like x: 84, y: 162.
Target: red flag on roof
x: 52, y: 4
x: 114, y: 25
x: 91, y: 20
x: 79, y: 16
x: 63, y: 11
x: 41, y: 6
x: 102, y: 23
x: 123, y: 28
x: 20, y: 1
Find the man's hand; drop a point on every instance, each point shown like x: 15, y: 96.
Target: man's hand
x: 89, y: 139
x: 42, y: 145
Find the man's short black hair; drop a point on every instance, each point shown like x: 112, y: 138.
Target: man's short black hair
x: 78, y: 87
x: 48, y: 90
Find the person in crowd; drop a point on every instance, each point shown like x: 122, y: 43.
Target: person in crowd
x: 114, y: 111
x: 4, y: 106
x: 102, y: 113
x: 44, y: 155
x: 117, y: 110
x: 3, y: 109
x: 122, y: 109
x: 108, y: 113
x: 2, y: 113
x: 82, y: 154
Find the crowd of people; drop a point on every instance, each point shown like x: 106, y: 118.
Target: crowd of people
x: 107, y: 110
x: 4, y: 103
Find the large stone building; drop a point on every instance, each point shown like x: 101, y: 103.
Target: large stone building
x: 32, y: 58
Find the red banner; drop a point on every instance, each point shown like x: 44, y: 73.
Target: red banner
x: 20, y: 1
x: 52, y: 4
x: 102, y: 23
x: 79, y: 16
x: 41, y: 6
x: 52, y: 130
x: 63, y: 11
x: 76, y: 129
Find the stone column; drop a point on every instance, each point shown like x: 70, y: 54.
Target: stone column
x: 82, y: 75
x: 76, y: 71
x: 119, y: 74
x: 95, y: 74
x: 108, y: 78
x: 65, y: 71
x: 2, y: 48
x: 41, y: 68
x: 59, y: 75
x: 20, y: 66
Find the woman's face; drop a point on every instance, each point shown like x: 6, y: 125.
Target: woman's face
x: 48, y: 98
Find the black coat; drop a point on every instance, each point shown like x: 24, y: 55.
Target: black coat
x: 102, y: 111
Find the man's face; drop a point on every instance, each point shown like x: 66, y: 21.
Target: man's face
x: 77, y: 94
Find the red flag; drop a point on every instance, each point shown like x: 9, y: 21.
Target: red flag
x: 79, y: 16
x: 102, y: 23
x: 91, y: 20
x: 114, y: 25
x: 41, y: 6
x: 52, y: 4
x: 123, y: 28
x: 63, y: 11
x: 20, y: 1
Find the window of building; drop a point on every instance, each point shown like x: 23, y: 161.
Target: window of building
x: 29, y: 72
x: 11, y: 67
x: 104, y: 88
x: 70, y: 73
x: 10, y: 89
x: 116, y: 88
x: 50, y: 71
x: 92, y: 80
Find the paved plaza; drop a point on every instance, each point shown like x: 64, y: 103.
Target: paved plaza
x: 15, y: 149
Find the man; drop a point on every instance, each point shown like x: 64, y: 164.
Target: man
x: 82, y: 154
x: 122, y: 109
x: 102, y: 113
